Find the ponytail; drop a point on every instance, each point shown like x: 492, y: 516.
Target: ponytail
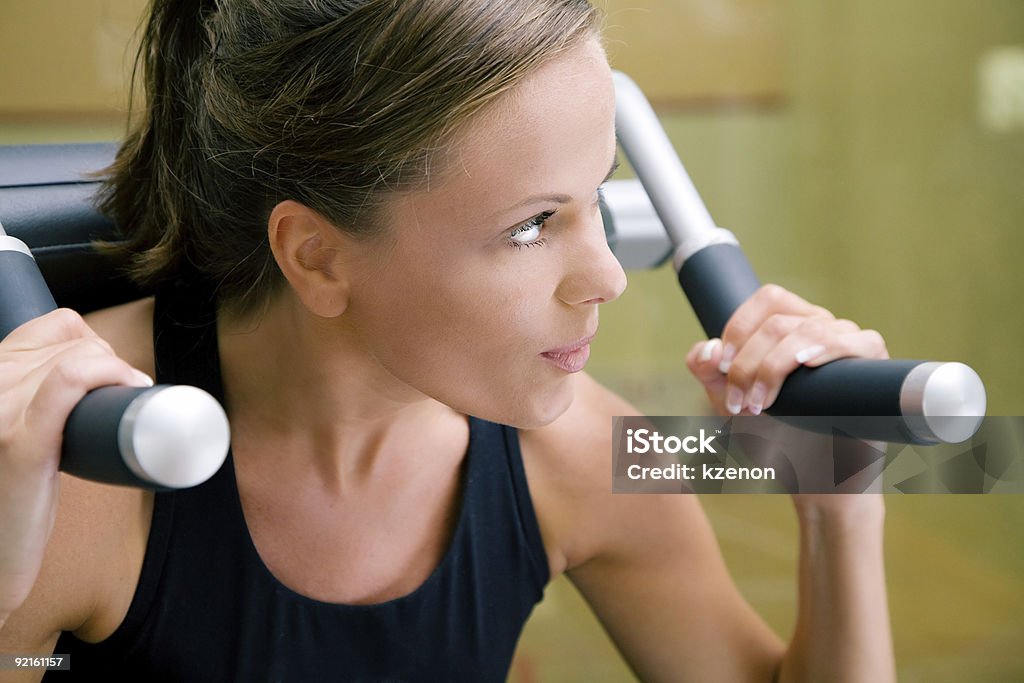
x: 151, y: 189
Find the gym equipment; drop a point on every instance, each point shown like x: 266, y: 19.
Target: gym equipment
x: 938, y: 402
x: 157, y: 437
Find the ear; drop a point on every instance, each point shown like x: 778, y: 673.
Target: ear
x: 310, y: 252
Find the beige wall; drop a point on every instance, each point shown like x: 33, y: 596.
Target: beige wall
x: 71, y: 58
x: 65, y: 58
x: 700, y: 52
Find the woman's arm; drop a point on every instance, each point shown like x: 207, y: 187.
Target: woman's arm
x: 650, y: 568
x: 71, y: 549
x: 88, y: 573
x: 842, y: 631
x: 649, y: 564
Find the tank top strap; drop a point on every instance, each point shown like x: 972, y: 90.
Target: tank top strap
x: 185, y: 337
x: 504, y: 478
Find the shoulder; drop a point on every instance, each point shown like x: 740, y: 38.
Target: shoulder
x: 90, y: 568
x: 648, y: 565
x: 129, y: 329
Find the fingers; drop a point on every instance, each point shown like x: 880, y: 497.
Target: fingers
x: 66, y: 377
x: 857, y: 343
x: 766, y: 302
x: 783, y: 344
x: 703, y: 361
x: 46, y: 366
x: 58, y: 340
x: 61, y: 325
x: 770, y: 336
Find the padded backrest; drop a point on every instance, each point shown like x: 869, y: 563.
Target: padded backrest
x: 46, y: 201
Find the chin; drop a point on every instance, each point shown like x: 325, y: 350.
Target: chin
x: 543, y: 408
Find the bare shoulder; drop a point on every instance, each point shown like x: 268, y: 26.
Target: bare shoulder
x: 89, y: 570
x: 648, y: 565
x: 129, y: 329
x: 569, y: 468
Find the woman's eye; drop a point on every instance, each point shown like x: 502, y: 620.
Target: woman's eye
x: 528, y: 234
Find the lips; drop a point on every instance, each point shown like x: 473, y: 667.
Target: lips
x: 570, y: 358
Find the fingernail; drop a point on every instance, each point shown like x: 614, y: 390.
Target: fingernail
x: 755, y: 399
x: 733, y: 400
x: 144, y: 378
x: 809, y: 353
x: 727, y: 355
x: 709, y: 350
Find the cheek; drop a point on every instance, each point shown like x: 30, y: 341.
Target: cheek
x: 471, y: 340
x: 468, y: 330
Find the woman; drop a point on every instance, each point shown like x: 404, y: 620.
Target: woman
x: 365, y: 222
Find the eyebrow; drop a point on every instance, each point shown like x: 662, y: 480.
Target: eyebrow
x: 612, y: 169
x: 558, y: 198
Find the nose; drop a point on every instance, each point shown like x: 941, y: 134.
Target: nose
x: 593, y: 275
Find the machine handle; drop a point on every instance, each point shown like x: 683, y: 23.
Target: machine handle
x: 938, y: 402
x: 161, y: 437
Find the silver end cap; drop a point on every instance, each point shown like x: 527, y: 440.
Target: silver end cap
x: 174, y: 436
x: 943, y: 402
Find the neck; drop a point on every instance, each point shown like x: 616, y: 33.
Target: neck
x: 306, y: 388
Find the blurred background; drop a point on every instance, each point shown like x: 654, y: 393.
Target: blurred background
x: 869, y: 155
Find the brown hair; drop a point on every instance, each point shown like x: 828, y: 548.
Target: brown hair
x: 332, y: 103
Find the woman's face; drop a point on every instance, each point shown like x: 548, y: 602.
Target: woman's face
x: 486, y: 290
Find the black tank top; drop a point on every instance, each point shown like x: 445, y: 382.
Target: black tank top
x: 207, y: 609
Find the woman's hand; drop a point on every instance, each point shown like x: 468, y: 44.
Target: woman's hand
x: 771, y: 335
x: 768, y: 337
x: 46, y: 366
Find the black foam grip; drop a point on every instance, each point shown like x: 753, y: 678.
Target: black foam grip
x: 23, y: 291
x: 718, y: 278
x: 91, y: 447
